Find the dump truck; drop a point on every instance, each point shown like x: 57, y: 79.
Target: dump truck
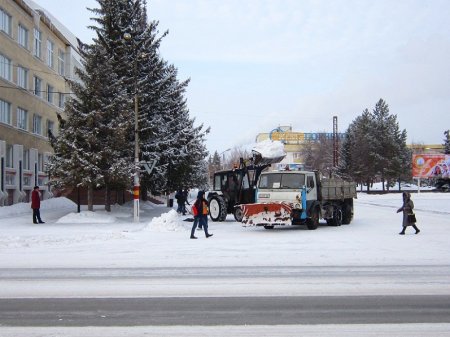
x: 299, y: 198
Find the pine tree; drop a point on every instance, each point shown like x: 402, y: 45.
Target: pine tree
x: 86, y: 147
x: 358, y: 152
x: 102, y: 113
x: 447, y: 142
x: 375, y: 147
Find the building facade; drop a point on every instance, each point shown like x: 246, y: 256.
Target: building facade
x: 37, y: 54
x: 294, y: 143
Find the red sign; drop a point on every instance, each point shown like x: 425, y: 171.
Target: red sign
x: 431, y: 165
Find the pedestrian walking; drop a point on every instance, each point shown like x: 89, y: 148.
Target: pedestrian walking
x: 409, y: 218
x: 36, y: 205
x: 200, y: 210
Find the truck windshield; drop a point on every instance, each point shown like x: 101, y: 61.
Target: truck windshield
x: 282, y: 181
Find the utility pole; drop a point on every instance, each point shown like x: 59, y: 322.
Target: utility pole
x: 335, y: 142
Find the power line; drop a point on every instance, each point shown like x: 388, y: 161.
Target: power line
x: 36, y: 70
x: 34, y: 91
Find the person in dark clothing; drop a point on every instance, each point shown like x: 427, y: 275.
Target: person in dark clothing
x: 185, y: 201
x: 179, y: 198
x: 36, y: 205
x: 200, y: 215
x: 407, y: 209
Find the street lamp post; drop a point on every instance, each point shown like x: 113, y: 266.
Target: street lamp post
x: 223, y: 158
x: 136, y: 183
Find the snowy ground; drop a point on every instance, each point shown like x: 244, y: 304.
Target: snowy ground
x: 161, y: 239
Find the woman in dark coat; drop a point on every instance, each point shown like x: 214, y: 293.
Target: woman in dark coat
x: 407, y: 209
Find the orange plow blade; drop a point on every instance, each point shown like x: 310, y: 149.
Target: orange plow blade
x: 261, y: 214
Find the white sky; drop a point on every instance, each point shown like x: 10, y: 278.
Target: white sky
x: 258, y: 64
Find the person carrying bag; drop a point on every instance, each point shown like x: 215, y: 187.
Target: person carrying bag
x: 409, y: 218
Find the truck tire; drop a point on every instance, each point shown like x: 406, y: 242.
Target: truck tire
x: 337, y: 217
x: 347, y: 213
x: 238, y: 214
x: 313, y: 221
x: 217, y: 208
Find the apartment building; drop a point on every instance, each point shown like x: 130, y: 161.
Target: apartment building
x: 37, y: 54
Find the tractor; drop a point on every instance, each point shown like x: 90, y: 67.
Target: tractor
x: 237, y: 186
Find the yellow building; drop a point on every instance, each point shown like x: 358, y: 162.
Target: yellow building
x: 36, y: 55
x: 294, y: 143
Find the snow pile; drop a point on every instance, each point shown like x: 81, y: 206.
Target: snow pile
x: 270, y: 149
x: 25, y: 207
x: 169, y: 222
x: 87, y: 217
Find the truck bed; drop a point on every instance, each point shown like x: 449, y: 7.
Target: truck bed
x: 337, y: 189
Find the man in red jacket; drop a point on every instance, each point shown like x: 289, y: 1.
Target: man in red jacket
x: 36, y: 205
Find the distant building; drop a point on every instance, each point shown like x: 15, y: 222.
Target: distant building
x: 427, y: 149
x: 37, y: 54
x: 294, y: 143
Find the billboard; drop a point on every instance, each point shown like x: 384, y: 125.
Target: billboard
x: 431, y: 166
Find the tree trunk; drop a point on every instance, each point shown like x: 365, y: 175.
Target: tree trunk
x: 107, y: 198
x: 143, y: 193
x: 90, y: 197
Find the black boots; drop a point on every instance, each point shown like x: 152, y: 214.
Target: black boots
x: 414, y: 226
x: 193, y: 237
x: 208, y: 235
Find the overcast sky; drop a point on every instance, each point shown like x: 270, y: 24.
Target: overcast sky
x: 258, y: 64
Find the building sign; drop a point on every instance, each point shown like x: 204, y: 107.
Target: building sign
x: 431, y: 165
x: 300, y: 137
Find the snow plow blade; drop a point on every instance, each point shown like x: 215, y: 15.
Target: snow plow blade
x: 266, y: 214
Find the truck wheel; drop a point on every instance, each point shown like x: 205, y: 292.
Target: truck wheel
x: 238, y: 214
x: 217, y: 209
x: 337, y: 217
x: 313, y: 222
x: 347, y: 214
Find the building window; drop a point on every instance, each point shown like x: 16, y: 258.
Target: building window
x: 37, y: 86
x: 40, y: 162
x: 50, y: 128
x: 61, y: 62
x: 5, y: 68
x: 37, y: 43
x: 22, y: 119
x: 50, y: 90
x: 37, y: 124
x: 22, y: 36
x: 9, y: 156
x: 61, y: 100
x: 5, y: 112
x: 50, y: 47
x: 22, y: 77
x: 26, y: 159
x: 5, y: 22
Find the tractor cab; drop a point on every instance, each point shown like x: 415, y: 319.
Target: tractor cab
x: 236, y: 186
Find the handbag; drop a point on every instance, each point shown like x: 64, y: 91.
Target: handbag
x: 412, y: 218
